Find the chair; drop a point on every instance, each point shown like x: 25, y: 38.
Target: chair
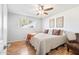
x: 74, y: 44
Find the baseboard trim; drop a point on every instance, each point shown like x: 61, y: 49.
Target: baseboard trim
x: 14, y: 41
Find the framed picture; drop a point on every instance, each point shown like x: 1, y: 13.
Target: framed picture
x: 24, y: 21
x: 60, y: 22
x: 52, y: 23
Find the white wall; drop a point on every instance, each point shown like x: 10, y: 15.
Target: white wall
x: 18, y: 33
x: 1, y: 40
x: 71, y: 20
x: 0, y: 21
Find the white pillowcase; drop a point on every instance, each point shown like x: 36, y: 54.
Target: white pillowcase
x: 71, y: 35
x: 50, y: 32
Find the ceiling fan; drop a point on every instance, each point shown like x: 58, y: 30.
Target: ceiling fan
x: 43, y: 9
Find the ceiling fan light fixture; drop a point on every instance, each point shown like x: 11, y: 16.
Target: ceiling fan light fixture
x: 43, y: 9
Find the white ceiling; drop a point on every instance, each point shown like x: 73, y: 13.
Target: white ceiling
x: 29, y: 9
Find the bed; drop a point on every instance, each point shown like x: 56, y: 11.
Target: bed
x: 43, y: 43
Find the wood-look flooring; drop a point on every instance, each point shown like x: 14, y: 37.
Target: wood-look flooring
x: 20, y: 48
x: 24, y: 48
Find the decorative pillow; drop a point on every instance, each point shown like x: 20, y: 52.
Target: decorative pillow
x: 77, y: 36
x: 56, y: 32
x: 61, y: 32
x: 71, y: 36
x: 46, y: 31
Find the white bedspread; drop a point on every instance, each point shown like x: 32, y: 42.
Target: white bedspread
x: 43, y: 43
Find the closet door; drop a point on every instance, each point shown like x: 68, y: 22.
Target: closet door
x: 4, y: 23
x: 3, y: 28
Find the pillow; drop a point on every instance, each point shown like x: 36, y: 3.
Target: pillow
x: 56, y: 32
x: 50, y: 32
x: 71, y: 36
x: 77, y: 36
x: 46, y: 31
x: 61, y: 32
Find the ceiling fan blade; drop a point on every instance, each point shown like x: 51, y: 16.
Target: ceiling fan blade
x: 46, y: 13
x: 48, y: 9
x: 42, y: 7
x: 37, y: 14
